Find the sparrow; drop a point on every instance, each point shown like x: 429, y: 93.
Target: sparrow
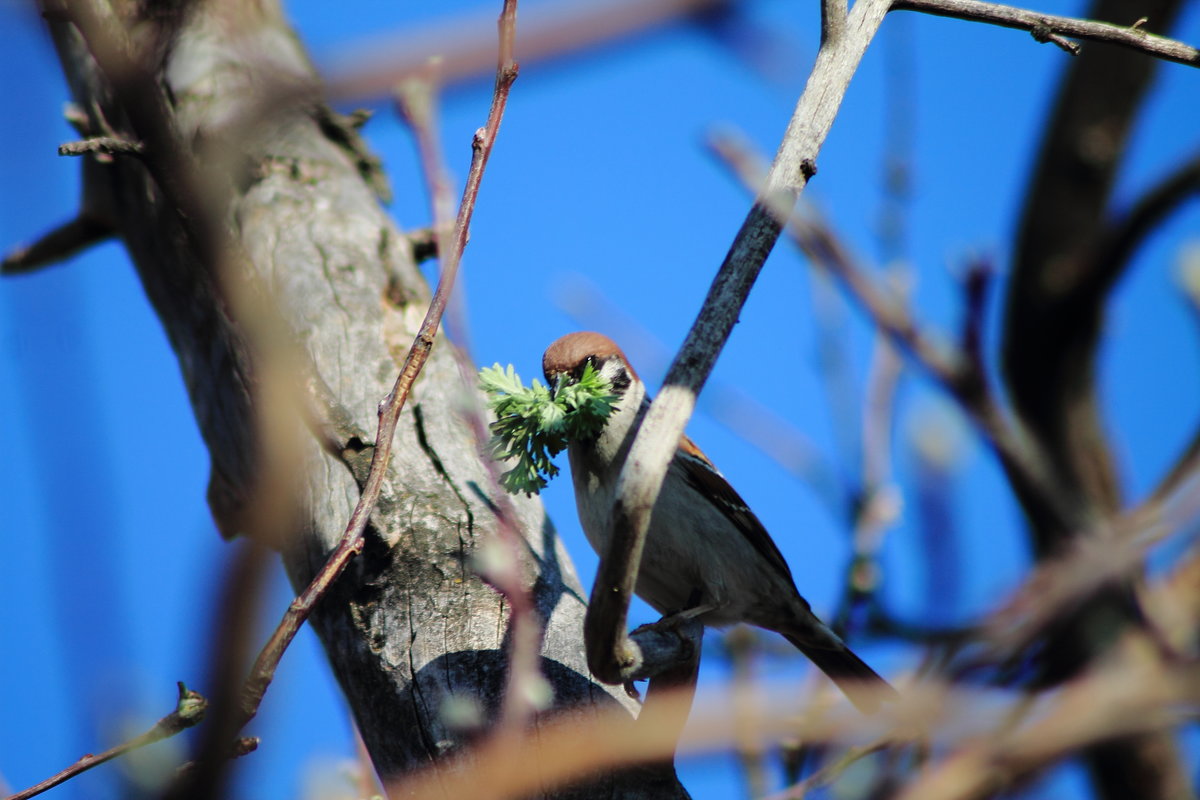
x: 705, y: 549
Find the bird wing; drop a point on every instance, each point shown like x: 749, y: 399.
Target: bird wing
x: 704, y: 477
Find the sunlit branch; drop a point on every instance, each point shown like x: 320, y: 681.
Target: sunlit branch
x: 1052, y: 28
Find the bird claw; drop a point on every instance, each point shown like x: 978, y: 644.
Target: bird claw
x: 673, y: 623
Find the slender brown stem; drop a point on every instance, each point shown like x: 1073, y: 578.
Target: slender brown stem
x: 189, y: 710
x: 351, y: 542
x: 1051, y: 28
x: 832, y: 771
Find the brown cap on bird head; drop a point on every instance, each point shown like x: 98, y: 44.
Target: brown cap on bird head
x: 573, y: 349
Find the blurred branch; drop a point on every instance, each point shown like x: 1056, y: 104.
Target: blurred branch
x: 1074, y: 579
x: 465, y: 47
x: 877, y: 501
x: 1051, y: 328
x: 417, y: 103
x: 1103, y: 706
x: 832, y: 771
x: 989, y: 742
x: 189, y: 711
x: 1051, y: 28
x: 82, y: 232
x: 1058, y: 292
x: 1122, y: 237
x: 741, y: 646
x: 1186, y: 465
x: 232, y: 633
x: 1173, y: 604
x: 642, y: 476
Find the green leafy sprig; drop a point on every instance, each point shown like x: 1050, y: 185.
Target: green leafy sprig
x: 532, y: 425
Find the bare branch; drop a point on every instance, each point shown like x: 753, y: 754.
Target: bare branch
x: 105, y: 145
x: 1125, y: 234
x: 832, y: 771
x: 57, y: 245
x: 1121, y: 699
x: 1052, y: 28
x: 1101, y: 707
x: 189, y: 710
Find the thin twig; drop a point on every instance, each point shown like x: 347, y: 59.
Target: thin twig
x: 525, y: 627
x: 105, y: 145
x: 389, y: 413
x: 241, y: 746
x: 838, y: 379
x: 741, y: 646
x: 877, y: 505
x: 976, y: 283
x: 832, y: 771
x: 1051, y: 28
x: 189, y: 710
x: 1123, y: 236
x: 66, y: 240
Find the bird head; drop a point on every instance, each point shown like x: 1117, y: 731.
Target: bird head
x: 566, y: 359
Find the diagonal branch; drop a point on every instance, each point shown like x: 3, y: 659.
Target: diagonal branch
x: 57, y: 245
x: 1126, y: 234
x: 608, y: 647
x: 189, y: 711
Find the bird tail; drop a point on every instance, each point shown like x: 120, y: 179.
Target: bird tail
x: 861, y: 684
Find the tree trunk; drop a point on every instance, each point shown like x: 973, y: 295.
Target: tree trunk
x: 410, y: 625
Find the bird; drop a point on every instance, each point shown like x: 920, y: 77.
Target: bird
x: 705, y: 550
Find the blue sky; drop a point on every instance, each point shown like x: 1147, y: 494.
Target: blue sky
x: 600, y: 175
